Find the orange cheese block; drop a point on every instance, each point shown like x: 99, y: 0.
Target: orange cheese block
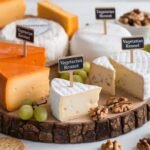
x: 19, y: 82
x: 13, y: 53
x: 50, y: 11
x: 11, y: 10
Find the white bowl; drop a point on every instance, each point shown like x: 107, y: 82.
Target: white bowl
x: 143, y: 31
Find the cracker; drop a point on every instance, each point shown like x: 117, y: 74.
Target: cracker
x: 11, y: 144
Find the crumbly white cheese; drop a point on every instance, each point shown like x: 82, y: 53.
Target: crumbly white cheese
x: 48, y: 34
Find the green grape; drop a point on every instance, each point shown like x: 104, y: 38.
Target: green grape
x: 76, y: 72
x: 27, y: 102
x: 77, y: 78
x: 25, y: 112
x: 83, y: 74
x: 147, y: 47
x: 65, y: 76
x: 86, y: 66
x: 40, y: 114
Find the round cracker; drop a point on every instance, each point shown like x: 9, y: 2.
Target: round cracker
x: 11, y: 144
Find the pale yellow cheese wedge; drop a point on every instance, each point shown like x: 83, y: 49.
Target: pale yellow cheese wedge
x: 11, y: 10
x: 50, y: 11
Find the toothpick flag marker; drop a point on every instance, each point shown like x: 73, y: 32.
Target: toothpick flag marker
x: 132, y: 43
x: 70, y: 64
x: 25, y: 34
x: 105, y: 14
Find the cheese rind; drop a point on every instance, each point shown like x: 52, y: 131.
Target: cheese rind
x: 22, y: 82
x: 13, y: 53
x: 103, y: 74
x: 91, y: 42
x: 133, y: 78
x: 50, y: 11
x: 72, y: 102
x: 48, y: 34
x: 118, y: 71
x: 11, y: 10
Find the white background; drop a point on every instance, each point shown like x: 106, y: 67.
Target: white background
x: 85, y: 10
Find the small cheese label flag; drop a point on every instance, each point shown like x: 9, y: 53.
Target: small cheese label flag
x: 70, y: 64
x: 105, y: 14
x: 25, y: 34
x: 132, y: 43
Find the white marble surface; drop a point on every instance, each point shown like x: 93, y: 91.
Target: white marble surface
x: 85, y: 10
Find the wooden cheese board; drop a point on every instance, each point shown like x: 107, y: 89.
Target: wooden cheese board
x: 79, y: 130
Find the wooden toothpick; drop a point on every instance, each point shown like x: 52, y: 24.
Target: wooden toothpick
x: 105, y: 26
x: 131, y: 56
x: 24, y: 48
x: 71, y: 78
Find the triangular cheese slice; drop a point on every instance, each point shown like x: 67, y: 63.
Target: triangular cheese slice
x: 72, y: 102
x: 118, y: 71
x: 103, y: 74
x: 134, y: 77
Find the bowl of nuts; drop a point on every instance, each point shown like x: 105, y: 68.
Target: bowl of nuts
x: 137, y: 22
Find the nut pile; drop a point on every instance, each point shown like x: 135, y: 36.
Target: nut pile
x: 111, y: 145
x: 98, y: 113
x: 136, y: 18
x: 144, y: 144
x: 113, y: 104
x: 119, y: 104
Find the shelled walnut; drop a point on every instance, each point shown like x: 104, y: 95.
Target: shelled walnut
x: 98, y: 113
x: 144, y: 144
x: 119, y: 104
x: 136, y: 18
x: 111, y: 145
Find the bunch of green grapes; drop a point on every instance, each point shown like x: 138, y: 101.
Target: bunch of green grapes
x: 78, y: 75
x: 27, y: 111
x: 147, y: 47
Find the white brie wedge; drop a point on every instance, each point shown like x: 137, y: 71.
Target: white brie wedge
x: 134, y: 77
x: 72, y: 102
x: 103, y: 74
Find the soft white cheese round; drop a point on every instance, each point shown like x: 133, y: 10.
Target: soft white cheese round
x: 91, y: 42
x: 48, y: 34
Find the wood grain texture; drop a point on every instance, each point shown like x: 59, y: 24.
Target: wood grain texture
x: 74, y: 132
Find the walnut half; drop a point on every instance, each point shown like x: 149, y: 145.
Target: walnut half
x: 119, y: 104
x: 111, y: 145
x: 98, y: 113
x: 143, y: 144
x: 136, y: 17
